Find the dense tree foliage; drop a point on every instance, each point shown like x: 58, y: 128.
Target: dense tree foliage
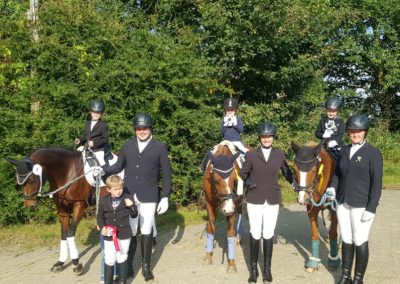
x: 178, y: 60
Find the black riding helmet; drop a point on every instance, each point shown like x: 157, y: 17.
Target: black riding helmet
x: 97, y: 106
x: 230, y: 103
x: 142, y: 120
x: 333, y: 103
x: 357, y: 122
x: 267, y: 128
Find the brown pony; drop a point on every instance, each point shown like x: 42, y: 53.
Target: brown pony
x: 219, y: 189
x: 64, y: 171
x: 313, y: 168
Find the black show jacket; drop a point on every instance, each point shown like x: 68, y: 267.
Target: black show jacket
x: 118, y: 217
x: 358, y: 181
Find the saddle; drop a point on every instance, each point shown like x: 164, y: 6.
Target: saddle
x: 89, y: 161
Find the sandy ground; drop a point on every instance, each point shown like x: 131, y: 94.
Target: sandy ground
x: 178, y: 257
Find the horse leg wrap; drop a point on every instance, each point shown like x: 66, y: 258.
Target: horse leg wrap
x: 210, y: 242
x: 63, y: 251
x: 314, y: 260
x: 73, y: 251
x: 231, y: 248
x: 333, y: 257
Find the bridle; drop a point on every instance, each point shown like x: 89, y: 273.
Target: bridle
x: 225, y: 196
x: 310, y: 188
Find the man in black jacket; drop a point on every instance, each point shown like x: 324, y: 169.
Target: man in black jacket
x: 358, y: 185
x: 143, y: 159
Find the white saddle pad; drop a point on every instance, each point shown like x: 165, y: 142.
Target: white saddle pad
x: 89, y: 174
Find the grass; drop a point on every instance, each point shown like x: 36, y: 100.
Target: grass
x: 30, y: 236
x: 391, y: 174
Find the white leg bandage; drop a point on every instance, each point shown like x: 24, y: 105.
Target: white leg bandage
x: 63, y: 251
x: 73, y: 251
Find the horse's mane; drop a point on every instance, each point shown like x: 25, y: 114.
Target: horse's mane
x: 311, y: 144
x: 60, y: 150
x: 222, y: 150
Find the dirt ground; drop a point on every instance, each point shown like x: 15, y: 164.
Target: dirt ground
x: 178, y: 257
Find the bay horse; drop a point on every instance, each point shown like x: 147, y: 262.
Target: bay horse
x: 219, y: 181
x: 63, y: 169
x: 313, y: 168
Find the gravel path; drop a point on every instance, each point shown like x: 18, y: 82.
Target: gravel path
x: 179, y: 254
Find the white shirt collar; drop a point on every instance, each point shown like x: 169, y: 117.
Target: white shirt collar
x: 143, y: 144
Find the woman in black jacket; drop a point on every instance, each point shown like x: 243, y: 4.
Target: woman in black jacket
x: 358, y: 185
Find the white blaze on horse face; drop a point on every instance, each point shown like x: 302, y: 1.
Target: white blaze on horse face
x: 302, y: 183
x: 228, y: 206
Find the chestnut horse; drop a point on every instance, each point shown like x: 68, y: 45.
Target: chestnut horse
x: 219, y: 182
x: 64, y: 170
x: 313, y: 168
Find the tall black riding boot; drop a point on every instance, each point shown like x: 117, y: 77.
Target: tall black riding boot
x: 267, y: 247
x: 362, y: 255
x: 147, y: 247
x: 123, y: 272
x: 347, y: 263
x: 131, y: 254
x: 108, y: 274
x: 254, y: 248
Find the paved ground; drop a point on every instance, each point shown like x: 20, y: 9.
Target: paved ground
x: 178, y: 256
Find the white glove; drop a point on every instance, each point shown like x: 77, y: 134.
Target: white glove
x: 227, y: 120
x: 327, y: 134
x: 332, y: 192
x: 234, y: 120
x: 98, y: 171
x: 332, y: 144
x: 366, y: 216
x: 162, y: 206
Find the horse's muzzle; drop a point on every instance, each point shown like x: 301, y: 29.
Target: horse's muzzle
x: 31, y: 203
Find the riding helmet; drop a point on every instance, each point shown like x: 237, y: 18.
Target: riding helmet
x: 333, y: 103
x: 230, y: 103
x: 357, y: 122
x: 267, y: 128
x: 142, y: 120
x: 97, y: 106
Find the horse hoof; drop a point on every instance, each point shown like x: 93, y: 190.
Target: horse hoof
x: 78, y: 269
x: 311, y: 269
x: 231, y: 269
x: 208, y: 258
x: 57, y: 267
x: 333, y: 264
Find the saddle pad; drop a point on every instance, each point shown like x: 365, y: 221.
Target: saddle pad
x: 89, y: 174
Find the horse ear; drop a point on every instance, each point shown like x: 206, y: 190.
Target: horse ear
x: 295, y: 147
x: 12, y: 161
x: 211, y: 157
x: 318, y: 148
x: 234, y: 157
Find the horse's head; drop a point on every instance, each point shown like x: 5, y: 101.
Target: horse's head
x: 26, y: 177
x: 223, y: 176
x: 307, y: 170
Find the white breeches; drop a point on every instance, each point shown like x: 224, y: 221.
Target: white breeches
x: 351, y: 228
x: 262, y: 219
x: 145, y: 217
x: 100, y: 157
x: 111, y: 255
x: 240, y: 146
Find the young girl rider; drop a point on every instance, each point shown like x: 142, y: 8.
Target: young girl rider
x: 332, y: 128
x: 95, y: 132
